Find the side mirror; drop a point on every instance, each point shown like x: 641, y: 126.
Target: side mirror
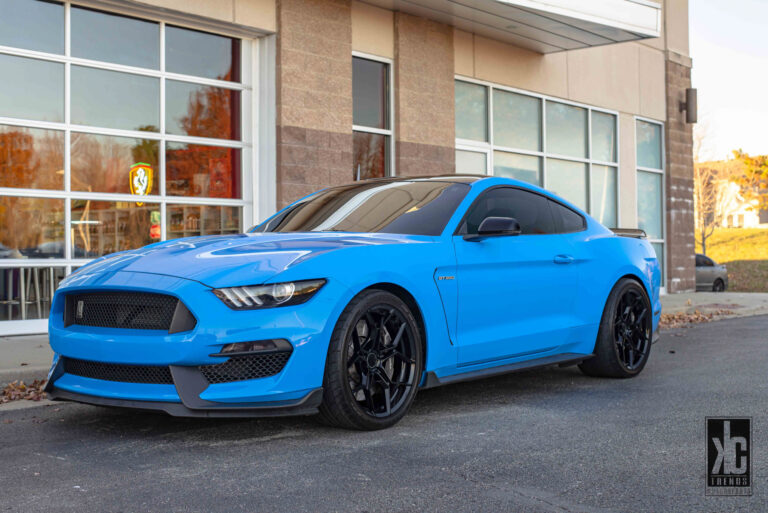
x: 495, y: 227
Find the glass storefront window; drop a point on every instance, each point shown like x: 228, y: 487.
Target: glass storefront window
x: 516, y: 120
x: 193, y: 220
x: 603, y: 185
x: 648, y: 144
x: 26, y: 292
x: 568, y: 180
x: 525, y: 168
x: 32, y: 25
x: 202, y: 171
x: 370, y: 93
x: 31, y: 158
x: 191, y: 52
x: 566, y: 130
x: 112, y: 99
x: 31, y: 89
x: 560, y: 151
x: 147, y: 129
x: 103, y: 227
x: 102, y: 163
x: 371, y: 112
x: 649, y: 209
x: 603, y: 137
x: 470, y: 162
x: 202, y: 111
x: 109, y: 37
x: 471, y: 111
x: 31, y: 227
x: 370, y: 154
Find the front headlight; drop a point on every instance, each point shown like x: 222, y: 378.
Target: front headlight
x: 268, y: 296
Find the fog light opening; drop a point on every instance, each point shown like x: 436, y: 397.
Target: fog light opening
x: 276, y: 345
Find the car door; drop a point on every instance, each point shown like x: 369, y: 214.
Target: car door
x: 516, y: 292
x: 705, y: 272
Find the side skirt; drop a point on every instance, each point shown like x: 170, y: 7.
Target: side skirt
x: 431, y: 379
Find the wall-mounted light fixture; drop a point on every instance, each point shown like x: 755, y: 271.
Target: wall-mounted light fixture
x: 690, y: 105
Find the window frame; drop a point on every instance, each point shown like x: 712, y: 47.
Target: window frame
x: 662, y: 172
x: 257, y: 68
x: 489, y: 147
x: 390, y: 132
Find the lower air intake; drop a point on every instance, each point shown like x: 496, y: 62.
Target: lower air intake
x: 118, y: 372
x: 240, y: 368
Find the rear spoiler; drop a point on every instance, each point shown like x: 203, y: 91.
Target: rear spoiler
x: 630, y: 232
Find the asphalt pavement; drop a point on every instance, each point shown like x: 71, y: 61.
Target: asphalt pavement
x: 548, y: 440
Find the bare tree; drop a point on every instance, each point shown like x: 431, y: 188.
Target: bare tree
x: 710, y: 186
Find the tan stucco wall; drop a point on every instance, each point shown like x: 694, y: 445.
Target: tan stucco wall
x: 260, y: 14
x: 373, y: 30
x: 627, y: 172
x: 676, y: 25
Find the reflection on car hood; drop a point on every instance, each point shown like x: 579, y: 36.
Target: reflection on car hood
x: 227, y: 260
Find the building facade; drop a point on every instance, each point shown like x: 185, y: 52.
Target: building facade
x: 124, y: 123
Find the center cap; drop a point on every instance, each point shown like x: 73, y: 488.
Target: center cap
x: 371, y: 360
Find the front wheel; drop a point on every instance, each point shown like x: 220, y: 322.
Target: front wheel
x: 718, y: 286
x: 374, y: 363
x: 624, y: 338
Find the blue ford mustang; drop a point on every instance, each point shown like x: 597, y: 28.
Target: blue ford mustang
x: 348, y: 301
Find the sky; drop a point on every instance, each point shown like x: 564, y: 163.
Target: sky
x: 729, y: 47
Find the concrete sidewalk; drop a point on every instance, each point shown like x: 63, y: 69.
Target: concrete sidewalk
x: 29, y: 357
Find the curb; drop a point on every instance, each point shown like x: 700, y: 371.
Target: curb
x: 26, y: 404
x: 26, y: 374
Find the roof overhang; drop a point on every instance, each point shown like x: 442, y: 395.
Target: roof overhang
x: 544, y: 26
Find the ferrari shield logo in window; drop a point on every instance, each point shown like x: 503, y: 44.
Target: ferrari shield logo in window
x: 141, y: 180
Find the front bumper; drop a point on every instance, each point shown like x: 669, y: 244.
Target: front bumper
x: 295, y: 390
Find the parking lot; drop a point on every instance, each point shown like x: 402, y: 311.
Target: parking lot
x: 548, y: 440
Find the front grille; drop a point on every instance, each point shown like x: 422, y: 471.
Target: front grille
x: 239, y: 368
x: 127, y: 310
x: 118, y: 372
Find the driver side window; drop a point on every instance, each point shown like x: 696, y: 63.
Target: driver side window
x: 531, y: 210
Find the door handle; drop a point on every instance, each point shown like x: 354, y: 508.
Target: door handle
x: 563, y: 259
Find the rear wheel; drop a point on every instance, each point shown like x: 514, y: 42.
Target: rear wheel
x: 374, y: 363
x: 624, y: 338
x: 718, y: 286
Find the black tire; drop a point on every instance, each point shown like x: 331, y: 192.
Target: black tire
x: 718, y: 286
x: 624, y: 338
x: 355, y: 394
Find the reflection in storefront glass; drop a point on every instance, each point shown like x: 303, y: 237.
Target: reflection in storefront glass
x: 103, y: 227
x: 31, y: 227
x: 193, y: 220
x: 31, y: 158
x: 370, y: 156
x: 202, y: 111
x: 203, y: 171
x: 26, y: 292
x: 102, y: 163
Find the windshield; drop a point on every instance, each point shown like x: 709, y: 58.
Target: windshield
x: 410, y: 208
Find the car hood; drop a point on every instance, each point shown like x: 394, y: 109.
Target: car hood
x: 243, y: 259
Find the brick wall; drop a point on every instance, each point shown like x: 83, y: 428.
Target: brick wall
x: 314, y: 96
x: 681, y: 270
x: 424, y: 123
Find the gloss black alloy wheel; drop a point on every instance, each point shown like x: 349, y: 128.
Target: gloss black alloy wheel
x: 631, y: 331
x: 624, y: 337
x: 374, y: 363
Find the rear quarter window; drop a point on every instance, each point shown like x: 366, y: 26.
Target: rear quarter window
x: 567, y: 220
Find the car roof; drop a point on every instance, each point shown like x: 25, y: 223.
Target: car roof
x: 458, y: 178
